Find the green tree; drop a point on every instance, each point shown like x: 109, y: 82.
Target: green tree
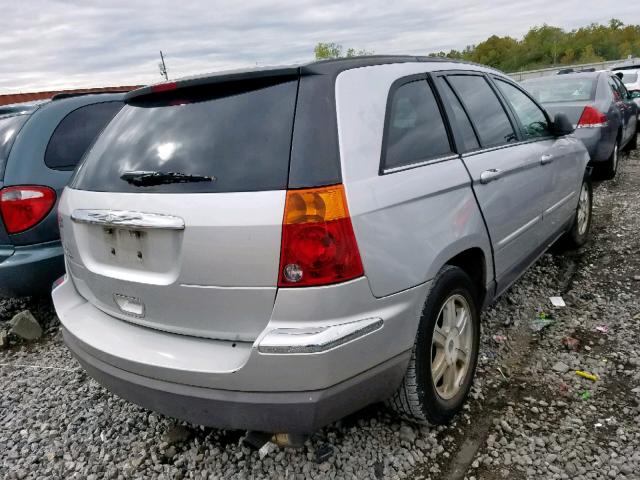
x: 589, y: 55
x: 546, y: 45
x: 325, y: 51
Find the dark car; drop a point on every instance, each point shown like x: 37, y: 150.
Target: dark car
x: 40, y: 145
x: 600, y: 107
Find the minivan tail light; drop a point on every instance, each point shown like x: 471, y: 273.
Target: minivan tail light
x: 24, y: 206
x: 592, y: 117
x: 318, y: 243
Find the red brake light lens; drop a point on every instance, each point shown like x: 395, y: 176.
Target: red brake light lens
x: 318, y: 243
x: 592, y: 117
x: 22, y: 207
x: 164, y: 87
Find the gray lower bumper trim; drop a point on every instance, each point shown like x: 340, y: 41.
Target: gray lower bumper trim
x: 296, y: 412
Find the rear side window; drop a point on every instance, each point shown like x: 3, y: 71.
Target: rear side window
x: 238, y: 133
x: 615, y: 89
x: 9, y: 128
x: 460, y: 117
x: 621, y: 88
x: 75, y: 133
x: 415, y: 128
x: 531, y: 117
x: 484, y: 108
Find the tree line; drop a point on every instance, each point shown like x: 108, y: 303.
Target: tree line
x: 541, y: 47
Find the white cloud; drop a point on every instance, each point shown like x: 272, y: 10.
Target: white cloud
x: 47, y: 44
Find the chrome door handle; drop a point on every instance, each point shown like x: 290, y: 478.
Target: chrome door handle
x: 546, y: 158
x: 490, y: 175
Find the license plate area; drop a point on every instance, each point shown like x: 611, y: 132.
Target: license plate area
x: 142, y: 255
x: 125, y: 246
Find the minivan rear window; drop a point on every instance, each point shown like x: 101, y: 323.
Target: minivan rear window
x: 76, y: 132
x: 9, y: 128
x: 235, y: 136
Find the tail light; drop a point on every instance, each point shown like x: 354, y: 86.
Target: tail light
x: 22, y: 207
x: 318, y: 243
x: 592, y: 117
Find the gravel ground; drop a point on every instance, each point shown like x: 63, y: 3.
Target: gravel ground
x: 530, y: 415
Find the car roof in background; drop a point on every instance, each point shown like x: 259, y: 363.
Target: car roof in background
x: 565, y: 76
x: 88, y: 95
x: 322, y: 67
x: 30, y: 107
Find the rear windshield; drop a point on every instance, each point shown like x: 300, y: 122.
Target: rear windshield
x: 629, y: 77
x: 239, y: 137
x: 562, y: 89
x: 9, y: 128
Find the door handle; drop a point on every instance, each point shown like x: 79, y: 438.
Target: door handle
x: 490, y: 175
x: 546, y: 158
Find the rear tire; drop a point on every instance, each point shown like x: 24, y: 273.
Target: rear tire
x: 610, y: 167
x: 449, y: 326
x: 578, y: 235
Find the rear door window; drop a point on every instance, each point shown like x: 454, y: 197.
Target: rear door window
x: 76, y: 132
x: 237, y: 134
x: 532, y: 119
x: 621, y: 88
x: 460, y: 117
x: 9, y: 128
x: 415, y: 129
x: 484, y: 108
x: 615, y: 89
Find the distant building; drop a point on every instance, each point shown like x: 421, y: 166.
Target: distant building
x: 34, y: 96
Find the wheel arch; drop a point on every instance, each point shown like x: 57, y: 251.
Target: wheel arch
x: 473, y: 262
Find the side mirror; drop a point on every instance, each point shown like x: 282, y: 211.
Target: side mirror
x: 562, y: 125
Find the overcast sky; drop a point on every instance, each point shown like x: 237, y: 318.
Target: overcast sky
x: 51, y: 44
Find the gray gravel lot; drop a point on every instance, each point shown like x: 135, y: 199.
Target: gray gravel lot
x: 530, y: 415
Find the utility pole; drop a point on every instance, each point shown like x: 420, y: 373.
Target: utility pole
x: 163, y: 67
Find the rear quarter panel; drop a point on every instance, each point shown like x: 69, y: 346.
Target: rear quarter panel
x: 407, y: 223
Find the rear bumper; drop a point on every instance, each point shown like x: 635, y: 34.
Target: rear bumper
x: 30, y: 270
x: 247, y: 385
x: 296, y: 412
x: 598, y: 142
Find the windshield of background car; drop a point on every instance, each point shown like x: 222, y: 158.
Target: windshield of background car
x: 9, y: 127
x: 562, y: 89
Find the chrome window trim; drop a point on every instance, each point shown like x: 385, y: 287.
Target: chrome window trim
x: 506, y: 145
x: 420, y: 164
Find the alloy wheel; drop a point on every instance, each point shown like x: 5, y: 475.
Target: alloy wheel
x: 583, y: 209
x: 451, y: 346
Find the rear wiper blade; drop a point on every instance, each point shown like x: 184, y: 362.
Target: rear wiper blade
x: 146, y: 179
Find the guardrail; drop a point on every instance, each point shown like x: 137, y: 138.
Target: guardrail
x: 543, y: 72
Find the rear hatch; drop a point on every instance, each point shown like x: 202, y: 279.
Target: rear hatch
x: 174, y: 218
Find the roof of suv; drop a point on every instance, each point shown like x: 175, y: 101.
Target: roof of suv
x: 331, y: 67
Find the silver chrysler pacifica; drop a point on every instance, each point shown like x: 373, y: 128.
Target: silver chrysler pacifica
x: 273, y: 249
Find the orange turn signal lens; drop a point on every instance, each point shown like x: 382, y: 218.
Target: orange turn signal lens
x: 315, y: 205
